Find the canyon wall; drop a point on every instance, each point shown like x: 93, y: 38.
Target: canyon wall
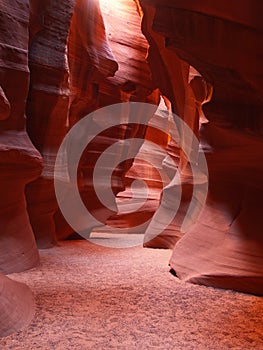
x: 20, y: 164
x: 104, y: 70
x: 59, y: 61
x: 20, y: 161
x: 55, y: 68
x: 225, y: 246
x: 47, y: 106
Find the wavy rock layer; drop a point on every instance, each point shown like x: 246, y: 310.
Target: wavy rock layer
x: 224, y: 248
x: 107, y: 66
x: 20, y: 163
x: 82, y: 57
x: 90, y: 62
x: 173, y: 76
x: 19, y: 160
x: 47, y: 106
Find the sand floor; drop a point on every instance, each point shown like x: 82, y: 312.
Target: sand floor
x: 94, y: 297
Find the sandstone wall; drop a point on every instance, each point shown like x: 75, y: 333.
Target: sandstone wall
x: 224, y: 248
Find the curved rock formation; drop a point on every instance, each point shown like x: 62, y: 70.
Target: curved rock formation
x: 140, y: 199
x: 90, y: 58
x: 83, y: 57
x: 224, y: 248
x: 47, y: 106
x: 90, y: 62
x: 132, y: 81
x: 17, y: 306
x: 20, y: 162
x: 172, y: 75
x: 97, y: 48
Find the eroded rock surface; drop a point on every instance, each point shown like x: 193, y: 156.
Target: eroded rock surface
x: 224, y: 248
x: 17, y: 306
x: 47, y: 106
x: 20, y: 161
x: 83, y: 56
x: 107, y: 66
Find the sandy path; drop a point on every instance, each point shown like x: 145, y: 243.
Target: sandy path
x: 93, y: 297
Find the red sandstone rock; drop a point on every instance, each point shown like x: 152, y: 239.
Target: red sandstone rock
x: 90, y: 62
x: 47, y: 107
x: 172, y: 75
x: 20, y: 162
x: 132, y: 81
x: 90, y: 58
x: 93, y: 60
x: 136, y: 205
x: 224, y: 248
x: 72, y: 66
x: 17, y: 306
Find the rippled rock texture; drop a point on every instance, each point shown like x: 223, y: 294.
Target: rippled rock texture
x: 20, y: 163
x: 59, y: 61
x: 106, y: 69
x: 47, y: 106
x: 225, y: 247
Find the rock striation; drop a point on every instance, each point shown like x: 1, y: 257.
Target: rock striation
x: 60, y: 61
x: 224, y: 248
x: 20, y: 161
x: 47, y: 107
x: 174, y: 77
x: 107, y: 66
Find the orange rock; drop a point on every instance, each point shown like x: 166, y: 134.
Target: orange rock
x: 20, y: 161
x: 225, y: 247
x: 47, y: 108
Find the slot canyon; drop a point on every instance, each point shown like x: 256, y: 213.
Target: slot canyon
x: 168, y: 252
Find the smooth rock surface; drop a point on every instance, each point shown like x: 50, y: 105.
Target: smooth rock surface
x: 17, y: 306
x: 107, y: 66
x: 225, y: 247
x: 47, y: 106
x: 19, y: 160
